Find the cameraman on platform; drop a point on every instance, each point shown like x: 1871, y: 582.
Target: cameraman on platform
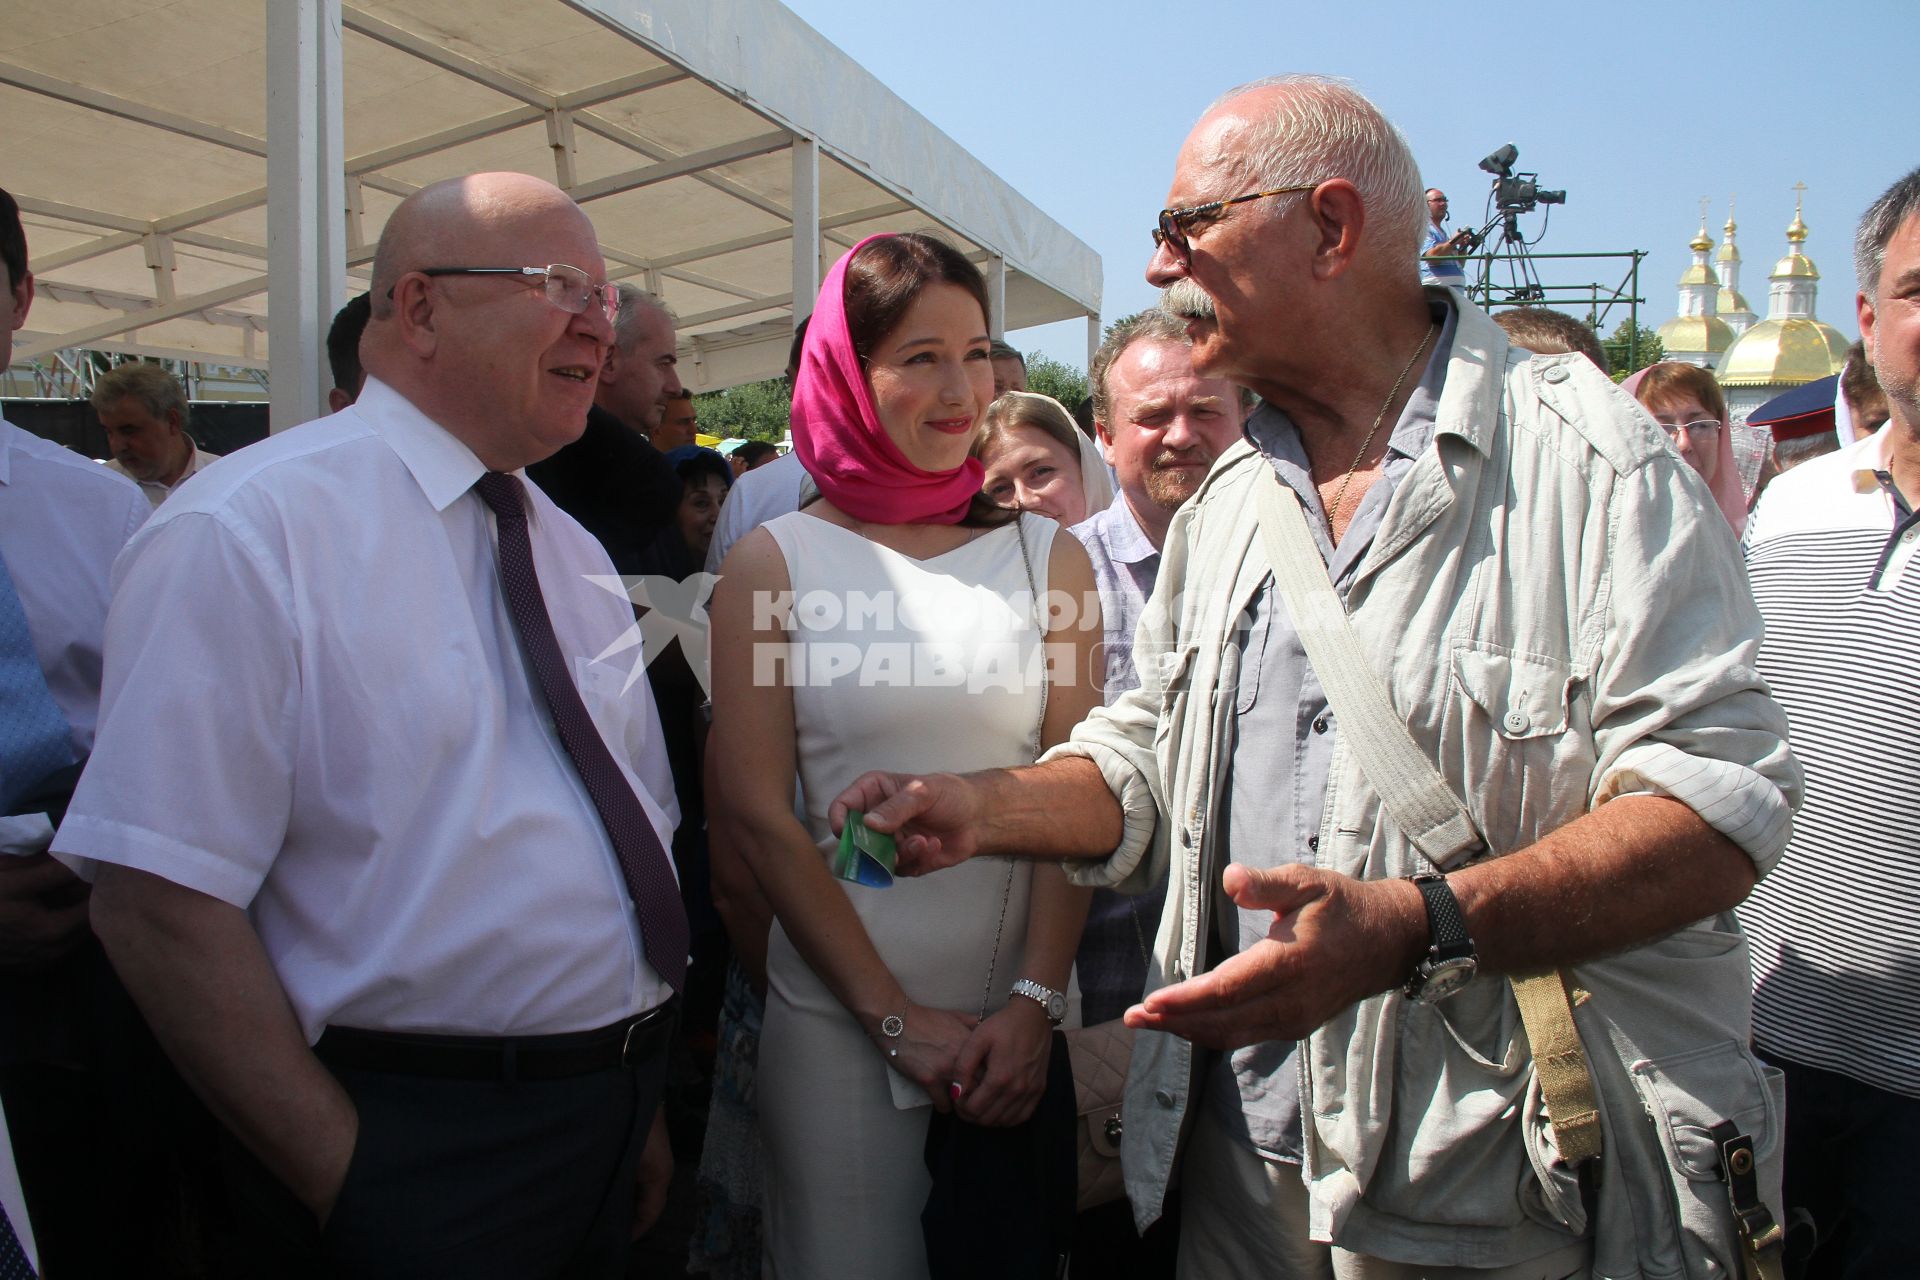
x: 1437, y: 260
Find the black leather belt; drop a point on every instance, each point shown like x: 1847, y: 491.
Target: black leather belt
x: 625, y: 1044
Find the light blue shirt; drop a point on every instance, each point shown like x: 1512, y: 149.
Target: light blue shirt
x: 1125, y: 563
x: 1284, y: 733
x: 1114, y: 946
x: 1431, y: 272
x: 63, y: 519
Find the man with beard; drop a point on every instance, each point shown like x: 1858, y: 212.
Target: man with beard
x: 1544, y: 755
x: 1160, y: 426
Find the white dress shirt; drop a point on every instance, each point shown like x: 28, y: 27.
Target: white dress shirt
x: 316, y: 709
x: 158, y: 493
x: 63, y: 518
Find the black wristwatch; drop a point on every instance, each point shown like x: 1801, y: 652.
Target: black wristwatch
x: 1450, y: 962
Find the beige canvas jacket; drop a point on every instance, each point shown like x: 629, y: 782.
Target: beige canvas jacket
x: 1562, y: 617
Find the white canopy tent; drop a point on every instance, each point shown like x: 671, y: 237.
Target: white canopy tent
x: 176, y: 162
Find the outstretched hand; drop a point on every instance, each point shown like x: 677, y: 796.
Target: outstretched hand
x: 934, y: 818
x: 1334, y: 941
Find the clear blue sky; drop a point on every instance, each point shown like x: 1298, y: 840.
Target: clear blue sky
x: 1636, y: 109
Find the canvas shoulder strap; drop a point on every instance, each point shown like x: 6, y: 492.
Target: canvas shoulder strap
x: 1412, y: 789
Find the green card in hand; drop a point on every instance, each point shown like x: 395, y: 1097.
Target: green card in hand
x: 865, y: 856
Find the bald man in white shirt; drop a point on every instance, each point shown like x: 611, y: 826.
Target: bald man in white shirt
x: 374, y: 897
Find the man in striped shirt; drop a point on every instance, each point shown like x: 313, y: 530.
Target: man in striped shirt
x: 1836, y: 927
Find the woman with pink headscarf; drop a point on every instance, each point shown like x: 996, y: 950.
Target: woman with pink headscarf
x: 894, y: 623
x: 1688, y: 404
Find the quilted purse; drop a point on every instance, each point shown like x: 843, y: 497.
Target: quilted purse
x: 1099, y: 1056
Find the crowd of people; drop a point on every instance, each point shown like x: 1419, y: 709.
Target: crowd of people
x: 1455, y: 800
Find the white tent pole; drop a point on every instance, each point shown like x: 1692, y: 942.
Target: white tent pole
x: 306, y: 202
x: 1093, y: 338
x: 806, y: 226
x: 996, y: 297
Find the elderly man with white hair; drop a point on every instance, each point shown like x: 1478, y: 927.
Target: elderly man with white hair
x: 1448, y: 732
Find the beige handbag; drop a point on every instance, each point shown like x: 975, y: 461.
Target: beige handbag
x: 1099, y: 1056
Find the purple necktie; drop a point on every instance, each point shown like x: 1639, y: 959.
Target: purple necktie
x: 13, y: 1255
x: 649, y: 875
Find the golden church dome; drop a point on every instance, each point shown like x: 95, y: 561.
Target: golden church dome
x: 1796, y: 265
x: 1687, y: 334
x: 1783, y: 353
x: 1732, y: 302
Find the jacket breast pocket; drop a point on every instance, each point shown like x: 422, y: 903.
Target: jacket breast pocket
x: 1517, y: 722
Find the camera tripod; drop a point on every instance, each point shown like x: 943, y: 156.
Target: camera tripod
x: 1522, y: 278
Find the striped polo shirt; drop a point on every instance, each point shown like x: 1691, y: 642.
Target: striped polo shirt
x: 1836, y: 927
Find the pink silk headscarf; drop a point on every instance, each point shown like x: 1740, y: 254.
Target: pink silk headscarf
x: 1727, y: 493
x: 838, y: 435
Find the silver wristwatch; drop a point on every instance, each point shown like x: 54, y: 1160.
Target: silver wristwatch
x: 1046, y: 997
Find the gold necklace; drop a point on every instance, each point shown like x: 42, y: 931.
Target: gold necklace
x: 1341, y: 495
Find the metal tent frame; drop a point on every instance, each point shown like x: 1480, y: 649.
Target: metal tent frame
x: 178, y: 163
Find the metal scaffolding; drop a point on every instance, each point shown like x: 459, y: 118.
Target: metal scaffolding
x: 1497, y: 280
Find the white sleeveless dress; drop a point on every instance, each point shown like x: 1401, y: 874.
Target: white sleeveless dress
x: 918, y: 666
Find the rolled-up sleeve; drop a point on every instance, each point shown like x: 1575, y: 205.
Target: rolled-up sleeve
x: 1679, y: 709
x: 1106, y: 737
x: 1124, y: 739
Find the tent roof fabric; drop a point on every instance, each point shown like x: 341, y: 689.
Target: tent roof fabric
x: 135, y: 143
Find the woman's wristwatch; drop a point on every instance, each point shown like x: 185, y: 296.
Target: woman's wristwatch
x: 1052, y: 1001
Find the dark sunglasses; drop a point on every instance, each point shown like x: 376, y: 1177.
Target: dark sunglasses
x: 1174, y: 223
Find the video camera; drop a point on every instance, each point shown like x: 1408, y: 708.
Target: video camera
x: 1516, y: 192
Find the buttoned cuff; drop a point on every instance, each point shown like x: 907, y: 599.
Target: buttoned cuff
x: 1140, y: 816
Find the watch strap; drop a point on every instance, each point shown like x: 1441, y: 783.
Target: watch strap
x: 1446, y: 923
x: 1051, y: 1001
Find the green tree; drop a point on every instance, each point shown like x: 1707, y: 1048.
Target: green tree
x: 1108, y: 331
x: 1646, y: 349
x: 1050, y: 377
x: 752, y: 411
